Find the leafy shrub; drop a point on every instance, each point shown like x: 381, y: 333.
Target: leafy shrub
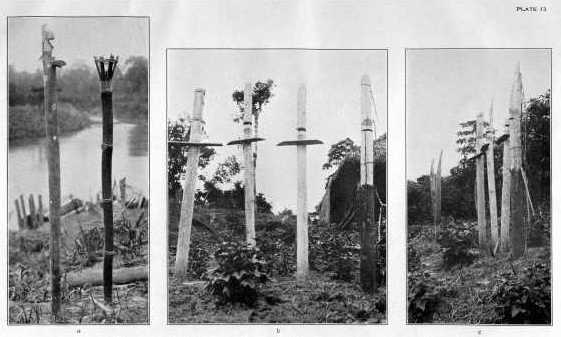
x: 198, y: 260
x: 526, y: 298
x: 335, y: 252
x: 238, y: 273
x: 279, y: 255
x: 423, y: 298
x: 27, y: 284
x: 457, y: 241
x: 413, y: 258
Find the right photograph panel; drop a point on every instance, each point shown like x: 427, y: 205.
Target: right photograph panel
x: 478, y: 186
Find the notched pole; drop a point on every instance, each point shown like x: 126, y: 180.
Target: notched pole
x: 50, y: 64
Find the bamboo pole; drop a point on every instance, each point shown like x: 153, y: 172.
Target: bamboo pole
x: 188, y: 200
x: 106, y: 68
x: 518, y: 207
x: 367, y: 194
x: 249, y: 168
x: 491, y: 187
x: 505, y: 197
x: 479, y: 182
x: 51, y: 128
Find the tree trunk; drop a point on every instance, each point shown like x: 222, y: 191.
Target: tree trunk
x: 94, y: 277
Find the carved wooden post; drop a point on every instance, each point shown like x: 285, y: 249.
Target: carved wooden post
x: 505, y: 195
x: 50, y: 65
x: 188, y: 200
x: 490, y: 156
x: 367, y: 194
x: 249, y: 167
x: 517, y: 197
x: 479, y: 182
x: 302, y: 190
x: 106, y: 68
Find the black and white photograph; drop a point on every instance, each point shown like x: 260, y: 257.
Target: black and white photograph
x: 478, y: 166
x: 77, y: 161
x: 276, y: 163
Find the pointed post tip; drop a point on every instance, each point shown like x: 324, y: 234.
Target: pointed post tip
x: 365, y: 80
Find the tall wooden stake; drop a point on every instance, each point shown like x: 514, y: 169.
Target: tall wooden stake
x: 491, y: 187
x: 505, y: 196
x: 479, y: 182
x: 438, y: 195
x: 302, y: 187
x: 517, y: 197
x: 249, y: 167
x: 249, y: 164
x: 53, y: 153
x: 106, y: 68
x: 188, y: 200
x: 367, y: 194
x: 432, y: 183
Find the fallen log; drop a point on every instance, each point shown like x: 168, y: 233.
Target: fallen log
x: 94, y: 276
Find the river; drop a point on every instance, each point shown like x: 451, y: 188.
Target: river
x: 80, y: 162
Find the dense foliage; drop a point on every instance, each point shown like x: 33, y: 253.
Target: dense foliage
x: 524, y: 298
x: 423, y: 298
x: 28, y: 121
x: 458, y: 242
x: 177, y: 154
x: 238, y: 273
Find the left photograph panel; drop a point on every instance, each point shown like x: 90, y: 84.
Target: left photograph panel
x: 78, y: 170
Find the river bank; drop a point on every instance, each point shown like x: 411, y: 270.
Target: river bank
x: 27, y: 121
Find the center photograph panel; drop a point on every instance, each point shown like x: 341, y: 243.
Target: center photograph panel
x: 276, y: 164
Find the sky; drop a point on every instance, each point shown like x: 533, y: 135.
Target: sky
x: 122, y: 36
x: 332, y: 79
x: 445, y: 87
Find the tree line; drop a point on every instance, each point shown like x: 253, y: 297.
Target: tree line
x: 78, y: 96
x: 458, y: 189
